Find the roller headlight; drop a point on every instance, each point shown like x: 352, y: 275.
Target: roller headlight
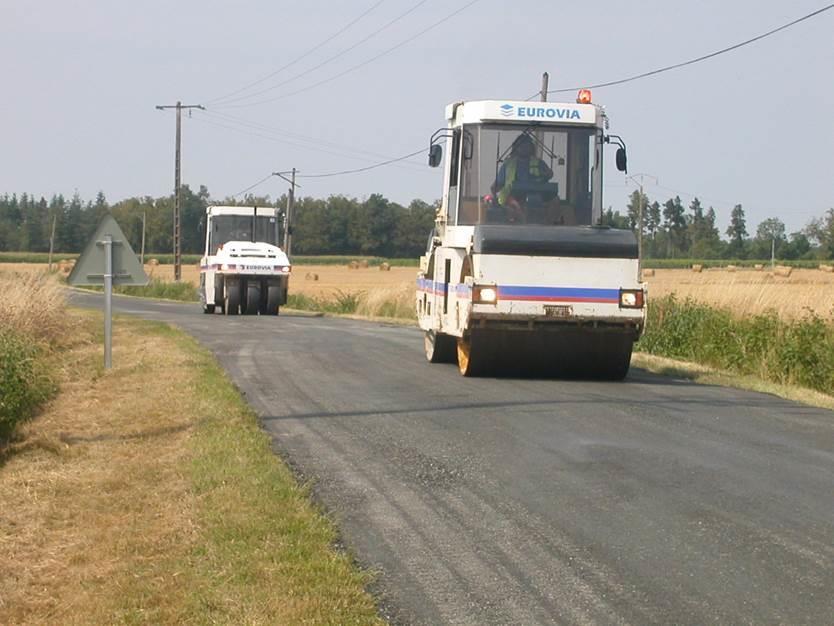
x: 484, y: 294
x: 631, y: 298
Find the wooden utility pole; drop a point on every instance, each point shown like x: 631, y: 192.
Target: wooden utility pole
x: 641, y: 219
x: 142, y: 251
x: 179, y: 106
x: 52, y: 240
x: 289, y: 209
x: 545, y: 81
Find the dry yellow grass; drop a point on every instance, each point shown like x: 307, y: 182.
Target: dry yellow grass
x: 32, y: 304
x: 748, y: 292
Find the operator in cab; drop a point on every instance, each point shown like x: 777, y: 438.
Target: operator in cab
x: 522, y: 167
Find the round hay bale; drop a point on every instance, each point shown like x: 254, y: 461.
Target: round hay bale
x: 153, y: 261
x: 353, y: 265
x: 731, y: 268
x: 648, y: 272
x: 758, y: 267
x: 783, y: 270
x: 363, y: 264
x: 385, y: 267
x: 697, y: 268
x: 827, y: 268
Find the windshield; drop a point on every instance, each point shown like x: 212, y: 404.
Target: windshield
x: 240, y: 228
x: 513, y: 174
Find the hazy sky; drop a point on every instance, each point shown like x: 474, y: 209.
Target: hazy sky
x: 81, y: 78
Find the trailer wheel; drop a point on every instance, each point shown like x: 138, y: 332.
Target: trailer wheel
x: 208, y: 309
x: 440, y: 348
x: 471, y: 356
x: 253, y: 299
x: 273, y: 300
x: 231, y: 299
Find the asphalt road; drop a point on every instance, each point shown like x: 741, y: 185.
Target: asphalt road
x: 500, y: 501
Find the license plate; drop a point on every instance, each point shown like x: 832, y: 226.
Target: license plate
x: 558, y: 310
x: 256, y: 267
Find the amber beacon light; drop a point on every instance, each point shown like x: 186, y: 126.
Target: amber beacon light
x: 584, y: 96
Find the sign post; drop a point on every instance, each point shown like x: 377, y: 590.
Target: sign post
x: 108, y: 260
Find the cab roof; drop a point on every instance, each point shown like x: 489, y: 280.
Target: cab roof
x: 555, y: 113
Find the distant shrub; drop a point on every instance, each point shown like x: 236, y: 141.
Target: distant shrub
x: 784, y: 351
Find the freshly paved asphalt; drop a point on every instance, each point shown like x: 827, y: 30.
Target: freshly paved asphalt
x: 501, y: 501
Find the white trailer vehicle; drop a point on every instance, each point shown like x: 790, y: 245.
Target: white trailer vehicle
x: 243, y: 270
x: 519, y: 275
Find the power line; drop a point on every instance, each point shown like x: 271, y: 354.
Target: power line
x: 329, y: 59
x: 363, y: 169
x: 224, y: 117
x: 695, y: 60
x: 363, y: 63
x: 301, y: 56
x: 252, y: 186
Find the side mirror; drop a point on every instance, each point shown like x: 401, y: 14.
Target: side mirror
x: 435, y: 155
x: 622, y: 160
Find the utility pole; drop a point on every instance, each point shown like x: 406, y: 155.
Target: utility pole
x: 52, y: 240
x: 142, y: 252
x: 640, y: 219
x: 289, y: 209
x: 179, y: 106
x: 545, y: 81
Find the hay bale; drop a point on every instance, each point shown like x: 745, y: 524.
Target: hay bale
x: 353, y: 265
x: 783, y: 270
x: 363, y: 264
x: 153, y: 261
x: 827, y: 268
x: 311, y: 276
x: 697, y: 268
x: 385, y: 267
x: 648, y: 272
x: 758, y: 267
x: 731, y: 268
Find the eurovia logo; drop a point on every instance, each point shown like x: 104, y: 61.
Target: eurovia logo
x: 508, y: 110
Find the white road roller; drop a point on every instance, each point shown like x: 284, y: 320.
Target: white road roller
x: 243, y: 270
x: 519, y: 274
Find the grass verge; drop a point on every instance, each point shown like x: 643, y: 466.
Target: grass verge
x: 149, y: 494
x: 157, y: 288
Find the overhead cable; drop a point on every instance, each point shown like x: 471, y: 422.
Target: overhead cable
x: 363, y: 63
x: 329, y: 59
x: 301, y: 56
x: 691, y: 61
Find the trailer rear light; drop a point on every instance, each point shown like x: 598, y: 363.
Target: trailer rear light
x: 228, y: 266
x: 631, y: 298
x: 484, y: 294
x: 584, y: 96
x: 282, y: 268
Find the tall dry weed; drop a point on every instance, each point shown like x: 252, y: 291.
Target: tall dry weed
x: 388, y: 302
x: 33, y: 306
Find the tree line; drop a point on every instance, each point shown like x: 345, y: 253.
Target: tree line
x: 376, y: 226
x: 671, y: 230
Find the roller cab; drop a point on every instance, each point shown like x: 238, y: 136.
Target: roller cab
x: 519, y: 276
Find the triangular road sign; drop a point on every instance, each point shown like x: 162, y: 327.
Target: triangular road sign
x: 89, y: 269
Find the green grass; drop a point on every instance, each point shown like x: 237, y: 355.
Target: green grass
x: 156, y: 288
x: 672, y: 264
x: 795, y: 352
x: 264, y: 553
x: 345, y: 303
x: 26, y: 380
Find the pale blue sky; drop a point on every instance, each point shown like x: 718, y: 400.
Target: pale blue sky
x: 81, y: 79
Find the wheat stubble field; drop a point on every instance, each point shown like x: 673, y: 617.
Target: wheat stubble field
x: 744, y: 291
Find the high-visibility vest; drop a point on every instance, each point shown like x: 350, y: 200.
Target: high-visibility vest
x: 512, y: 172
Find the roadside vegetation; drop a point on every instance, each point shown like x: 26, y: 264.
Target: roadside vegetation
x: 786, y: 351
x: 149, y: 494
x: 33, y: 329
x: 157, y: 288
x: 397, y: 303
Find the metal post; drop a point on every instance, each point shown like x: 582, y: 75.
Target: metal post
x: 290, y: 209
x: 108, y: 300
x: 177, y: 260
x: 545, y: 81
x: 142, y: 252
x: 640, y: 233
x: 52, y: 240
